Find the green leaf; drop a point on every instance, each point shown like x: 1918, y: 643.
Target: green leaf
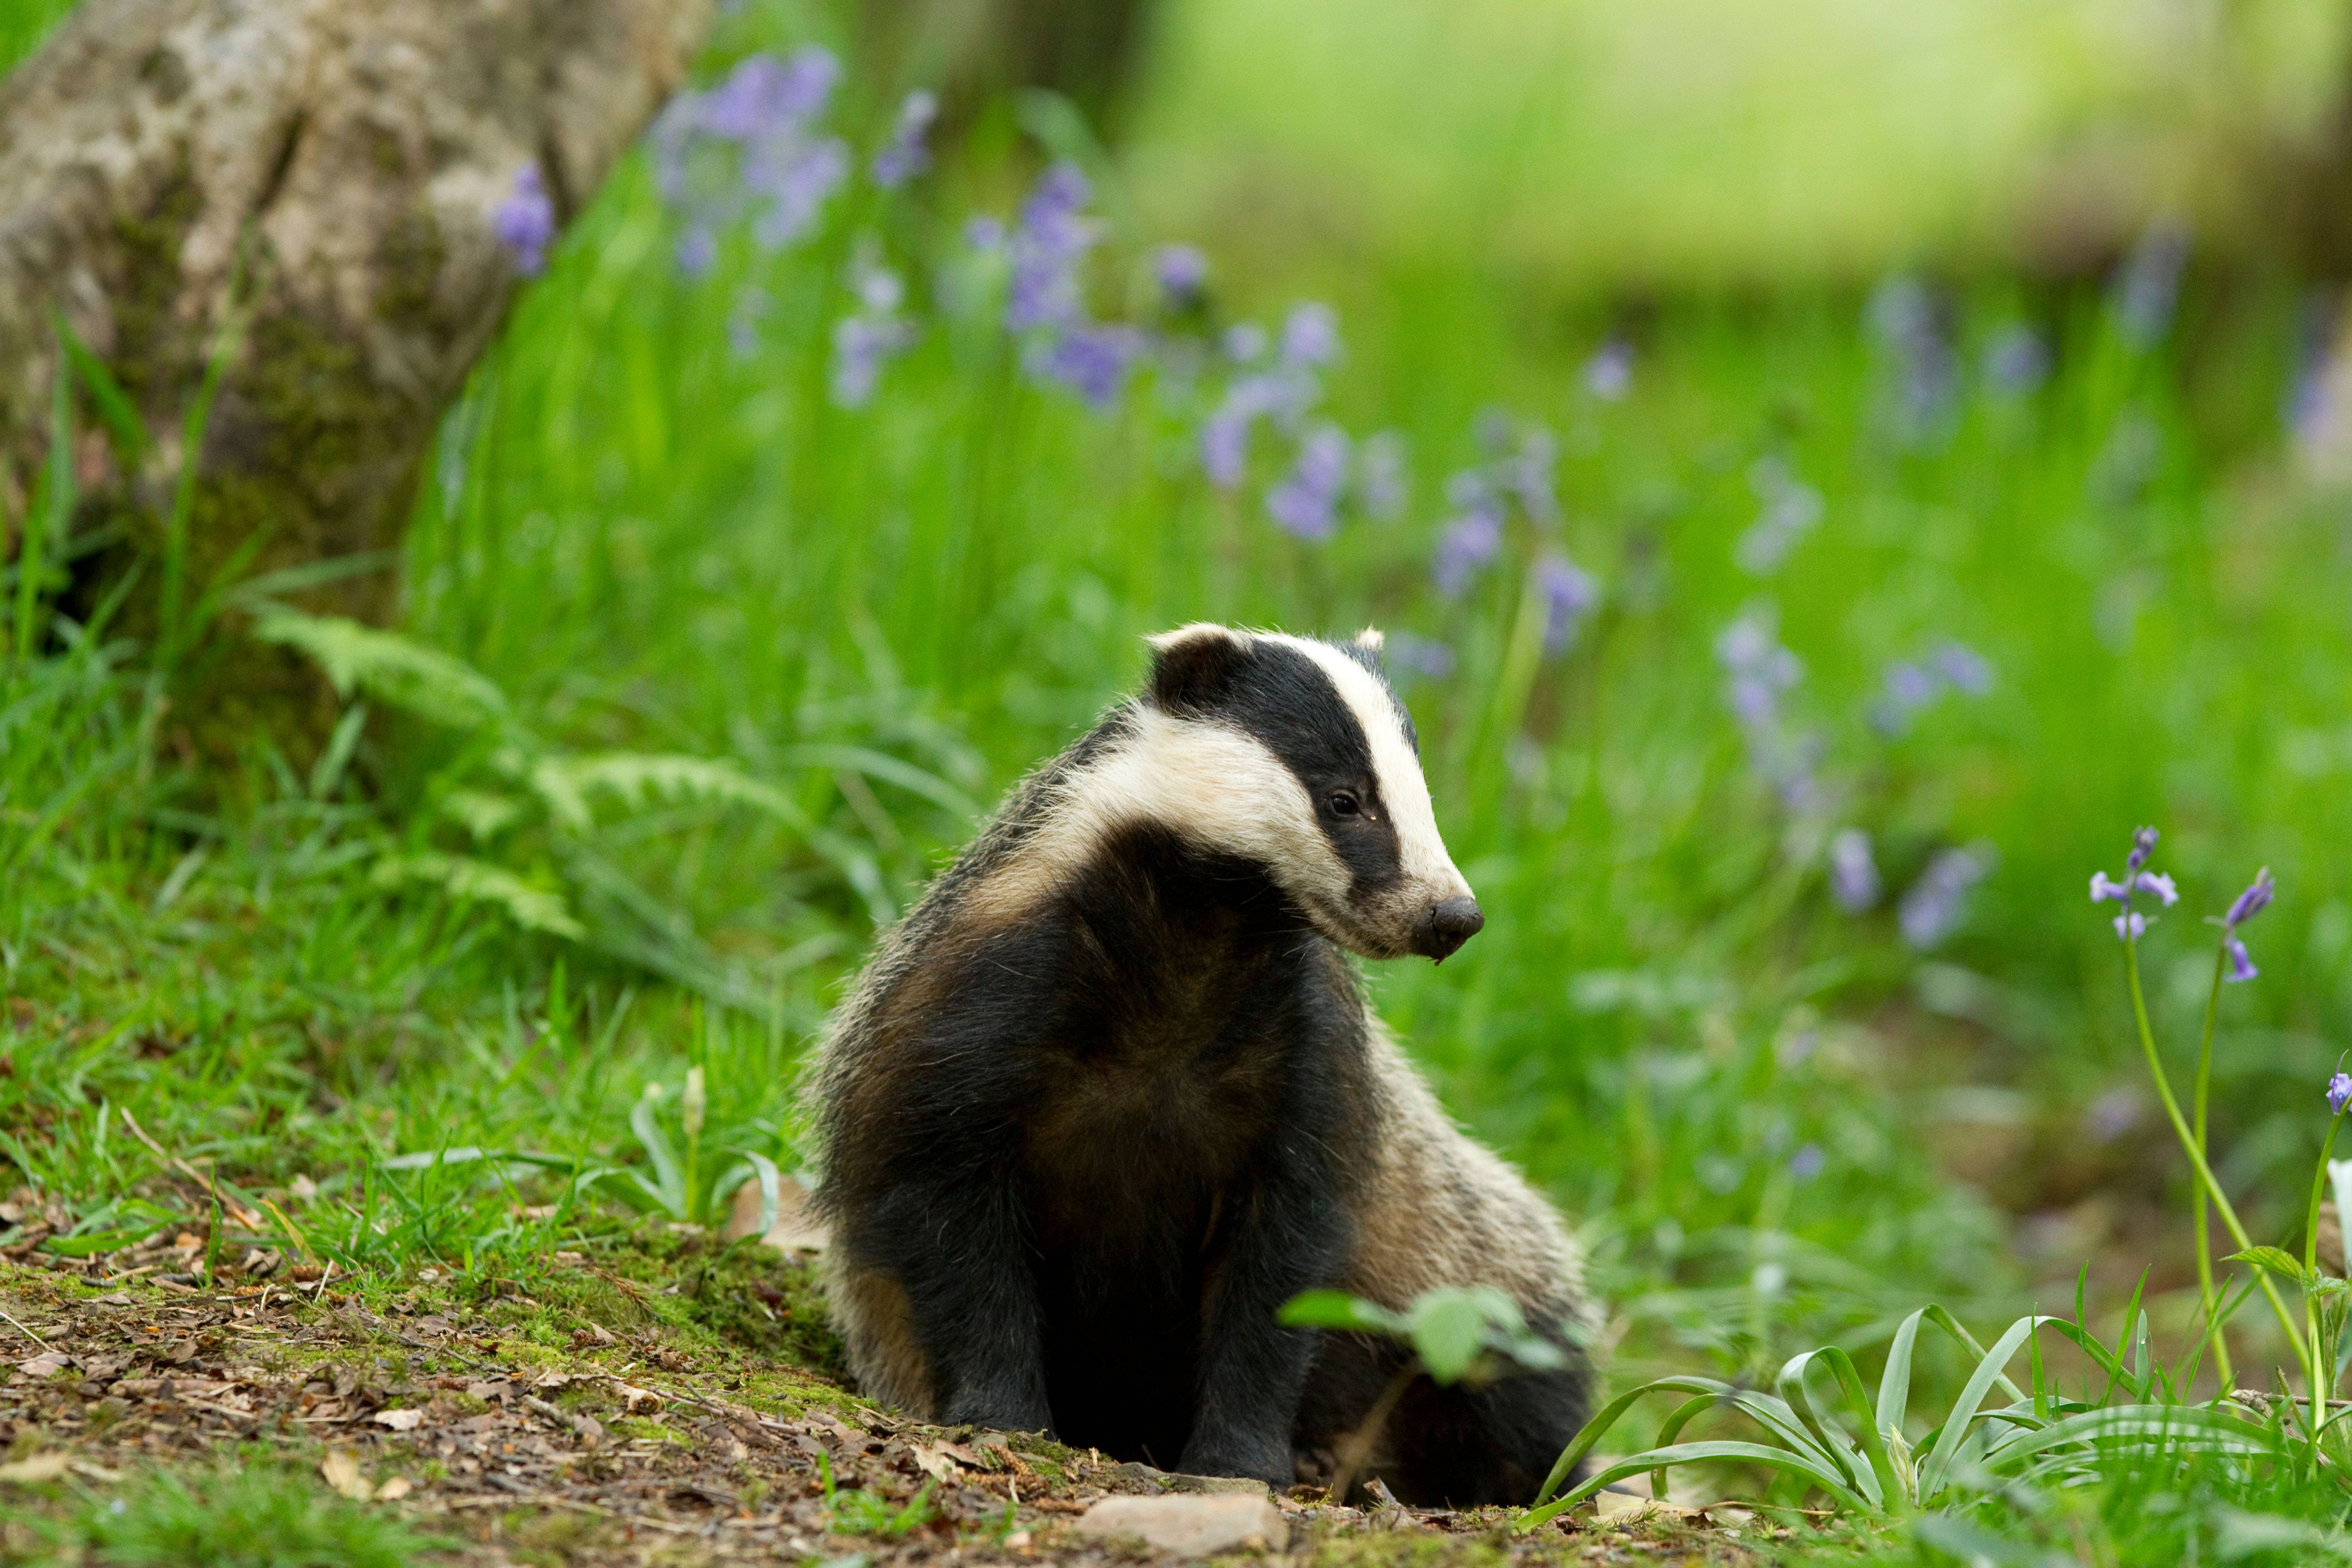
x: 1339, y: 1310
x: 1822, y: 1476
x: 1449, y: 1327
x: 2275, y: 1259
x: 669, y: 1181
x: 114, y: 406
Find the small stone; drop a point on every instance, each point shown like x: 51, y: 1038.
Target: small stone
x: 1214, y: 1485
x: 1190, y: 1525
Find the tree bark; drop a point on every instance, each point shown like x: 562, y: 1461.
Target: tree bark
x: 326, y: 170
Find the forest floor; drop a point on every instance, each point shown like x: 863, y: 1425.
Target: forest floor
x: 144, y: 1414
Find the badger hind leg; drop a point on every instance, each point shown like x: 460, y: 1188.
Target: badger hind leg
x: 1457, y: 1447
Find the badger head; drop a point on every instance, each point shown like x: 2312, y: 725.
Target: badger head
x: 1294, y: 754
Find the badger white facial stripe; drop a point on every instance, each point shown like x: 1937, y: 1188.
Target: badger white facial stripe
x: 1421, y: 848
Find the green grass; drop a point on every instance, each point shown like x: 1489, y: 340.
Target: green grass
x: 650, y: 546
x: 258, y: 1515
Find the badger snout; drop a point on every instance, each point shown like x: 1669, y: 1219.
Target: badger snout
x: 1444, y: 926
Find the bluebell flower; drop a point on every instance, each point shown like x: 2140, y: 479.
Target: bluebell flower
x: 2146, y: 285
x: 866, y: 339
x: 1904, y: 312
x: 1310, y: 336
x: 749, y: 144
x: 1381, y: 485
x: 1760, y: 670
x: 2242, y: 966
x: 1937, y: 904
x: 1182, y: 273
x: 2339, y: 1092
x: 525, y: 222
x: 1529, y: 474
x: 2254, y: 900
x: 2143, y: 845
x: 1608, y: 373
x: 905, y: 155
x: 1418, y: 656
x: 1047, y: 244
x: 1474, y: 539
x: 1807, y: 1162
x: 1854, y: 871
x: 1569, y: 593
x: 1963, y: 667
x: 1244, y: 343
x: 2016, y: 361
x: 984, y: 233
x: 2130, y: 926
x: 1306, y: 504
x: 1091, y: 360
x: 752, y: 305
x: 1791, y: 509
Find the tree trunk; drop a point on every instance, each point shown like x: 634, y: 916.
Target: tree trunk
x: 323, y: 173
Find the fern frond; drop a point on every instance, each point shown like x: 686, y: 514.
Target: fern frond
x: 461, y: 876
x: 483, y: 814
x: 639, y: 779
x: 393, y: 668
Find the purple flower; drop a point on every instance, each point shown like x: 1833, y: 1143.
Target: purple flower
x: 697, y: 249
x: 1529, y: 474
x: 1567, y: 591
x: 1380, y: 483
x: 1963, y: 667
x: 795, y: 174
x: 2101, y: 888
x: 2242, y: 967
x: 1807, y: 1162
x: 905, y: 155
x: 1047, y: 246
x: 1937, y: 902
x: 1182, y: 273
x: 1905, y: 314
x: 1304, y: 504
x: 1469, y: 542
x: 2253, y: 901
x: 1608, y: 373
x: 1474, y: 539
x: 2016, y: 361
x: 1854, y: 871
x: 984, y: 233
x: 525, y: 222
x: 2146, y: 285
x: 1092, y: 360
x: 864, y: 341
x: 749, y: 144
x: 2339, y: 1092
x: 1244, y: 342
x: 2143, y: 845
x: 1310, y: 336
x: 2112, y: 1115
x: 2130, y: 926
x: 1791, y: 509
x: 1418, y: 656
x: 1760, y: 668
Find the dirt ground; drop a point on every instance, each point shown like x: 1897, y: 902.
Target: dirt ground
x: 525, y: 1432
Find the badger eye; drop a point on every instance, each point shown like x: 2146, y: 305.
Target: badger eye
x: 1345, y: 804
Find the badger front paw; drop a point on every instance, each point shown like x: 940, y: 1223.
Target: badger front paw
x: 1233, y: 1454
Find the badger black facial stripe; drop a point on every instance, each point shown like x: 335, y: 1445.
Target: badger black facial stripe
x: 1422, y: 861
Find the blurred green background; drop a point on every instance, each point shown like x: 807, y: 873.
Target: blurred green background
x: 1873, y: 329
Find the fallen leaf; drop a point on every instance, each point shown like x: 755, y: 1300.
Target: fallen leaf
x: 341, y: 1469
x: 939, y: 1467
x: 40, y: 1468
x: 304, y: 1187
x: 394, y: 1490
x: 45, y: 1365
x: 399, y: 1420
x: 590, y: 1430
x: 639, y: 1401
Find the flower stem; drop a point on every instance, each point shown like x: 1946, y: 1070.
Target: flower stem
x: 2204, y: 1241
x: 2197, y: 1155
x: 2321, y: 1387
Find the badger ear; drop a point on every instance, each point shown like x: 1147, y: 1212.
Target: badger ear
x: 1194, y: 666
x: 1372, y: 639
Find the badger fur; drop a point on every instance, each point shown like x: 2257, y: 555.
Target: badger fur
x: 1110, y: 1095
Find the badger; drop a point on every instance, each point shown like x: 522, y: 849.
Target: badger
x: 1111, y: 1094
